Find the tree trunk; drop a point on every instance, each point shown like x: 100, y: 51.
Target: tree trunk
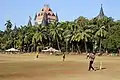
x: 22, y: 46
x: 93, y: 46
x: 35, y: 46
x: 78, y: 49
x: 49, y: 42
x: 58, y: 44
x: 106, y: 51
x: 85, y: 47
x: 72, y: 46
x: 29, y: 48
x: 66, y: 46
x: 100, y: 46
x: 14, y: 44
x: 42, y: 44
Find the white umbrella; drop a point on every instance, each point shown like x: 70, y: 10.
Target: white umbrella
x: 51, y: 50
x: 12, y: 50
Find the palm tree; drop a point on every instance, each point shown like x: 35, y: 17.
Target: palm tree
x: 85, y: 35
x: 8, y: 25
x: 56, y: 31
x: 7, y: 35
x: 83, y: 32
x: 66, y: 35
x: 1, y: 39
x: 28, y: 37
x: 21, y: 35
x: 102, y: 27
x: 39, y: 36
x: 101, y: 33
x: 113, y: 40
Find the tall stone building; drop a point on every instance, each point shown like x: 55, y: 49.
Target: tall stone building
x: 45, y: 16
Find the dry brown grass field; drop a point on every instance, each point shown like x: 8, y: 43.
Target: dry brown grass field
x: 50, y: 67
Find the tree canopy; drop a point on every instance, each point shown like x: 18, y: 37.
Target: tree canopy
x: 80, y: 35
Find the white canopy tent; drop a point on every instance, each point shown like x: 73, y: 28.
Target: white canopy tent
x: 12, y: 50
x: 51, y: 50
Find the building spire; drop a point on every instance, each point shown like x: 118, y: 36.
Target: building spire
x: 101, y: 13
x: 35, y: 16
x: 29, y: 22
x: 57, y: 17
x: 15, y: 28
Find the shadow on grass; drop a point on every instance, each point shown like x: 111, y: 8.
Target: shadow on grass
x: 97, y: 68
x: 13, y: 75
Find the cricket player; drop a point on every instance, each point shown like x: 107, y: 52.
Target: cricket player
x: 37, y: 54
x: 91, y: 57
x: 63, y: 56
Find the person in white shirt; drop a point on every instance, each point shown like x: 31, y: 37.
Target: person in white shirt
x: 91, y: 56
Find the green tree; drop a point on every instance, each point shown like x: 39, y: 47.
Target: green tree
x: 101, y: 33
x: 56, y: 32
x: 39, y: 36
x: 83, y: 32
x: 8, y: 25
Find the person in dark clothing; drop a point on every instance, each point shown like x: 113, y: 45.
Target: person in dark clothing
x: 63, y: 56
x: 91, y: 56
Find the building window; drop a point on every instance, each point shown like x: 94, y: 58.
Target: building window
x: 39, y: 14
x: 50, y: 9
x: 49, y: 14
x: 53, y: 14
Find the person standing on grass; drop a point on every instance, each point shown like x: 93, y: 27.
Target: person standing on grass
x: 63, y: 56
x: 91, y: 56
x: 37, y: 54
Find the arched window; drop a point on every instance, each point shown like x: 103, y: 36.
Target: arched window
x: 53, y: 14
x: 50, y: 9
x: 42, y: 9
x: 49, y: 14
x: 39, y: 14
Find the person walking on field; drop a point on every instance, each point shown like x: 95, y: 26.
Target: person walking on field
x: 63, y: 56
x: 37, y: 54
x: 91, y: 56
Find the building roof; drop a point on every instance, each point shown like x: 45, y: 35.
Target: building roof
x: 46, y: 10
x: 35, y: 16
x: 101, y: 13
x: 57, y: 19
x: 29, y: 22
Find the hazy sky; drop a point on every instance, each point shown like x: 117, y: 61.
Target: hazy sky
x: 18, y: 11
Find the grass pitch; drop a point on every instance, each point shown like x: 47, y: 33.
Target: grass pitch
x: 49, y: 67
